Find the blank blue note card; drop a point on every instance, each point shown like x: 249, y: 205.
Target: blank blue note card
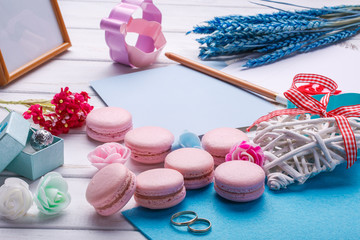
x: 325, y: 207
x: 179, y: 98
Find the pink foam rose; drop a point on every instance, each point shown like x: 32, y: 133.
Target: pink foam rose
x: 247, y: 152
x: 109, y: 153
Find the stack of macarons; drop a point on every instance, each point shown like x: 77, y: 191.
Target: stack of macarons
x: 185, y: 168
x: 151, y: 144
x: 112, y: 187
x: 148, y: 145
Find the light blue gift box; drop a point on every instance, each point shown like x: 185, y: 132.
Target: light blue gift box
x: 13, y: 136
x: 20, y: 157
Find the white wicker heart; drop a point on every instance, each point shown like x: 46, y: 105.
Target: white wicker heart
x: 299, y: 148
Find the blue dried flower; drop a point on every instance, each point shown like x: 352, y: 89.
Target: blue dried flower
x: 278, y: 35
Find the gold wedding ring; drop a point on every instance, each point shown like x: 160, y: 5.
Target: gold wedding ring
x: 202, y: 220
x: 192, y: 222
x: 183, y: 213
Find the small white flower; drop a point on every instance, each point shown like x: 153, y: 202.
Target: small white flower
x: 15, y: 198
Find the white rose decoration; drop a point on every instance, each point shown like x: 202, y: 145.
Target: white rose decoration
x: 15, y: 198
x: 52, y: 195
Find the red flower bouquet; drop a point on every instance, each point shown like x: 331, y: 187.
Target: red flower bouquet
x: 66, y: 110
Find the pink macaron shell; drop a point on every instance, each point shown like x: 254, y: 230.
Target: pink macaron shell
x: 161, y: 203
x: 108, y: 124
x: 218, y: 160
x: 239, y: 180
x: 240, y: 197
x: 196, y: 165
x: 219, y: 141
x: 149, y: 144
x: 159, y: 188
x: 202, y: 182
x: 109, y: 136
x: 152, y: 158
x: 123, y: 199
x: 111, y: 188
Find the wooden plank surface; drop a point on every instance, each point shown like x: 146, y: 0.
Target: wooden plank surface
x: 88, y: 60
x: 46, y: 234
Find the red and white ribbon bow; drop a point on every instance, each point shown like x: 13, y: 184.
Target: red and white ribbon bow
x: 308, y: 104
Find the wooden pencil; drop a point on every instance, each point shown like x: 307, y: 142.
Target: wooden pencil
x: 227, y: 78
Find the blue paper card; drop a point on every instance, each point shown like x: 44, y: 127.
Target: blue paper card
x: 325, y: 207
x: 179, y: 98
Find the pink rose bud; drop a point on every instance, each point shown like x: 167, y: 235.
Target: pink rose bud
x: 247, y: 152
x: 109, y: 153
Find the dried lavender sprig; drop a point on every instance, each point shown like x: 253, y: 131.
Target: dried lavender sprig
x: 202, y: 30
x: 270, y: 28
x: 222, y: 39
x: 340, y: 16
x: 300, y: 47
x: 330, y: 39
x: 217, y: 22
x: 348, y: 14
x: 277, y: 16
x: 273, y: 56
x: 259, y: 18
x: 233, y: 49
x: 307, y: 14
x: 341, y: 8
x: 223, y: 36
x: 242, y: 46
x: 291, y: 40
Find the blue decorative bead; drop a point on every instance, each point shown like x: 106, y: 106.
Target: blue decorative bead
x: 187, y: 140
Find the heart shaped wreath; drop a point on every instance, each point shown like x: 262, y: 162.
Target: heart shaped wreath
x: 298, y: 147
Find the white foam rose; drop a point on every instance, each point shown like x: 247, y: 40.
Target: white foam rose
x: 15, y: 198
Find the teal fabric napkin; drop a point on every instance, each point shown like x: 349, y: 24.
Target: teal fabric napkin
x: 325, y: 207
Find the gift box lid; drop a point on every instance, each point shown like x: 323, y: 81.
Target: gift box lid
x: 14, y: 130
x: 33, y: 164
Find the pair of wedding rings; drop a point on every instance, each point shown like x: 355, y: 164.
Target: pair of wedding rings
x: 195, y: 220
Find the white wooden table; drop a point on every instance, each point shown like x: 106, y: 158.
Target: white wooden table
x: 88, y: 60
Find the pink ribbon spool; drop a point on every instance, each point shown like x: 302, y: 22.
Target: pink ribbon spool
x: 150, y: 41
